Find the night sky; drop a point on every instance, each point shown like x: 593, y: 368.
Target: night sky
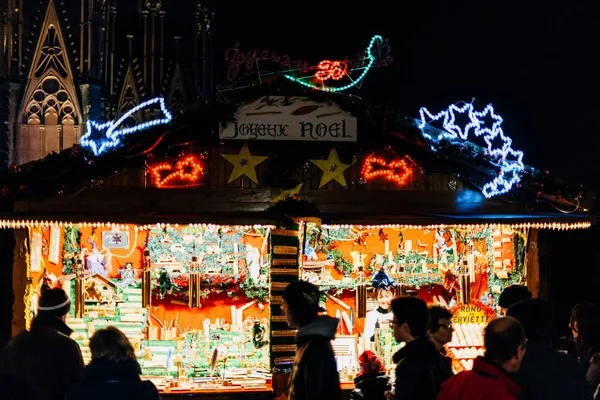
x: 537, y: 64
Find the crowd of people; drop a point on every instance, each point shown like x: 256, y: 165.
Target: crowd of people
x: 521, y: 359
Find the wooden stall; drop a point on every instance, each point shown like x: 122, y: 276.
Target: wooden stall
x: 185, y: 237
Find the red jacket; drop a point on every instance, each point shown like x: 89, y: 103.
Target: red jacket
x: 485, y: 382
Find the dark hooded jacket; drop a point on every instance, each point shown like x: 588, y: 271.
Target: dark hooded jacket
x: 421, y: 370
x: 371, y: 386
x: 45, y: 358
x: 113, y: 380
x: 546, y: 374
x: 315, y: 375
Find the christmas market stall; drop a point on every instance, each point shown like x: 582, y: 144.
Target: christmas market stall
x: 183, y: 232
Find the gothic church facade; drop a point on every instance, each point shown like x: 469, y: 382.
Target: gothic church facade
x: 64, y: 62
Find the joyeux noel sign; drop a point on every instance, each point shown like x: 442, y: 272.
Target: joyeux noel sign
x: 291, y: 118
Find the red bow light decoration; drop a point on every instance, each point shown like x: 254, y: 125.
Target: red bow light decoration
x: 331, y: 70
x: 396, y: 170
x: 187, y: 172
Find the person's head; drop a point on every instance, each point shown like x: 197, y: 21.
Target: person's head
x: 583, y: 315
x: 504, y: 342
x: 369, y: 362
x: 54, y: 303
x: 440, y: 325
x: 111, y: 344
x: 511, y: 295
x: 411, y: 318
x: 384, y: 297
x: 300, y: 303
x: 585, y: 325
x: 536, y: 317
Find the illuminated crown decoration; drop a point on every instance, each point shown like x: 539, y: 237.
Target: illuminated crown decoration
x: 509, y: 159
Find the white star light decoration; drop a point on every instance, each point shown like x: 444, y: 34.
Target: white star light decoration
x: 99, y: 143
x: 511, y: 161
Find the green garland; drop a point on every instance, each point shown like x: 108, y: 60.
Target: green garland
x: 71, y: 249
x: 325, y: 243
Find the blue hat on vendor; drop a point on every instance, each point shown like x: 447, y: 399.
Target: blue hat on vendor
x: 381, y: 280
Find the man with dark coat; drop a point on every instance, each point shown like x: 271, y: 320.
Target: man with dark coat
x: 545, y: 373
x: 421, y: 368
x: 45, y: 358
x: 314, y: 375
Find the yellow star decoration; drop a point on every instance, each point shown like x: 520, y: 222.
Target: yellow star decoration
x: 244, y: 164
x: 332, y: 168
x: 285, y: 194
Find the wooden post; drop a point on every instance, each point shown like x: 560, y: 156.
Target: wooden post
x: 20, y: 279
x: 146, y: 280
x: 531, y: 267
x: 285, y: 254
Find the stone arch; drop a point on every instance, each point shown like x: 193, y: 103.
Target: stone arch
x: 50, y: 115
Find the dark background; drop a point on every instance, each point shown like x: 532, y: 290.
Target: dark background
x: 537, y: 62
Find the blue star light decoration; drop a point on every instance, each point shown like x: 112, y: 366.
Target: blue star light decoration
x: 101, y: 137
x: 510, y: 160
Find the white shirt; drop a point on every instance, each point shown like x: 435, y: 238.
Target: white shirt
x: 371, y: 320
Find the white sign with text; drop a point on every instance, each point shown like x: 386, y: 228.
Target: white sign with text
x: 291, y: 118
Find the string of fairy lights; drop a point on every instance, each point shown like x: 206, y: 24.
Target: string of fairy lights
x: 22, y: 224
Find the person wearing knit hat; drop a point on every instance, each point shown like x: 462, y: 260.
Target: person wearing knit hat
x: 511, y: 295
x: 45, y: 358
x: 371, y: 382
x: 314, y: 374
x: 54, y: 303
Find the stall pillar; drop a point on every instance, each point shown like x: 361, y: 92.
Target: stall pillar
x: 20, y: 279
x: 6, y: 292
x: 285, y: 254
x: 146, y: 280
x: 532, y: 264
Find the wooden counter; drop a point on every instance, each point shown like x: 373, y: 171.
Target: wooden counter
x: 221, y: 394
x: 235, y: 394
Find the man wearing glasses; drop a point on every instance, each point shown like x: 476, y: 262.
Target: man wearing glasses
x: 440, y: 327
x: 421, y: 369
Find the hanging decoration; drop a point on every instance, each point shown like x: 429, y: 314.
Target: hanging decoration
x: 101, y: 137
x: 509, y: 160
x: 244, y: 164
x: 338, y: 69
x: 396, y: 170
x: 187, y: 172
x: 238, y: 60
x: 292, y: 193
x: 333, y: 169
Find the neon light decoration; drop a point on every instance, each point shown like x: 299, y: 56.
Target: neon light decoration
x: 397, y: 170
x: 187, y: 172
x: 369, y: 56
x: 335, y: 70
x: 104, y: 136
x: 510, y: 160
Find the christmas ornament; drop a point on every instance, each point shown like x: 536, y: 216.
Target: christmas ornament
x: 333, y: 169
x: 244, y: 164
